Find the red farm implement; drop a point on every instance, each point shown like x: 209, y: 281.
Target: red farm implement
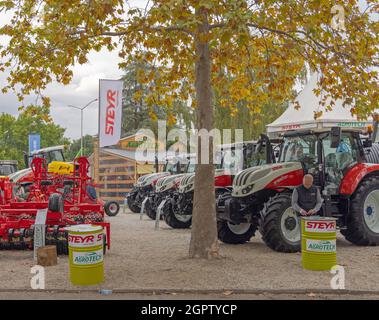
x: 70, y: 199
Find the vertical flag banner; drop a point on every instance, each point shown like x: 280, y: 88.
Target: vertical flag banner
x: 110, y: 111
x: 34, y: 142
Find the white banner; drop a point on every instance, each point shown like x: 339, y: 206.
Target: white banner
x: 110, y: 111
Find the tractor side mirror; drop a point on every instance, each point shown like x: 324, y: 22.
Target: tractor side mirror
x: 26, y: 160
x: 335, y: 135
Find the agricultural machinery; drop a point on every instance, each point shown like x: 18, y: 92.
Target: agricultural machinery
x: 337, y: 159
x: 144, y: 185
x: 177, y: 209
x: 69, y: 198
x: 7, y: 167
x: 165, y: 186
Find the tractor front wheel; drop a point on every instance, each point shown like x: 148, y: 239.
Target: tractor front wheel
x: 363, y: 219
x: 235, y: 233
x: 150, y: 210
x: 131, y: 204
x: 176, y: 220
x: 111, y: 208
x: 279, y: 226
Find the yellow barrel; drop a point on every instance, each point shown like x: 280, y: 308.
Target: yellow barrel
x: 86, y: 254
x: 318, y: 243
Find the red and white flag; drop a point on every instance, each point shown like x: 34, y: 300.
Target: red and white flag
x: 110, y: 112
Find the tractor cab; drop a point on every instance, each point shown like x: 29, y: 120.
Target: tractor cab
x: 327, y: 155
x: 239, y: 156
x: 55, y: 159
x: 7, y: 167
x: 175, y: 165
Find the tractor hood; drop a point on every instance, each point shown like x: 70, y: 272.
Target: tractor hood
x: 258, y: 178
x: 167, y: 183
x: 188, y: 180
x: 148, y: 179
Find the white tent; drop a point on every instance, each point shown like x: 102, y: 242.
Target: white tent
x: 303, y: 118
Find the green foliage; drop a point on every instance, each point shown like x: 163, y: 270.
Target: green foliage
x: 73, y: 149
x: 14, y: 132
x: 137, y: 113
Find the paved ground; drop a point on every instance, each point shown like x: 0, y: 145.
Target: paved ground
x: 141, y: 257
x: 179, y: 296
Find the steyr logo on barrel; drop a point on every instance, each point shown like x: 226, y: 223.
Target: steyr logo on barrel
x: 80, y: 241
x: 320, y: 226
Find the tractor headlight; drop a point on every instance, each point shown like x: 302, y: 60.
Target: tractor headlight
x: 247, y: 189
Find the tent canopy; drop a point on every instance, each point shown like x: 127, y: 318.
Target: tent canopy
x: 303, y: 118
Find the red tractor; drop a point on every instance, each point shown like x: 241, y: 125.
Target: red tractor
x: 177, y: 210
x: 337, y: 159
x: 69, y: 198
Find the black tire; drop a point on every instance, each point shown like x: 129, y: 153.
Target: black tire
x: 270, y: 226
x: 173, y: 222
x: 111, y: 208
x: 228, y: 236
x: 357, y: 231
x: 150, y: 212
x: 56, y: 203
x: 133, y: 207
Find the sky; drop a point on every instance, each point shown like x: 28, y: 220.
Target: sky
x: 83, y: 89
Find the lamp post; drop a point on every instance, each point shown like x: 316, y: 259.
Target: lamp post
x: 81, y: 122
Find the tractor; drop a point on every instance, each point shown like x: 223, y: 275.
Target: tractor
x: 337, y: 159
x: 177, y: 211
x: 144, y: 185
x: 7, y: 167
x: 165, y: 186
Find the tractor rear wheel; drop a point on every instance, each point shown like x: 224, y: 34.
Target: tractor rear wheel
x: 177, y: 221
x: 363, y: 219
x: 111, y: 208
x: 279, y: 226
x: 235, y: 233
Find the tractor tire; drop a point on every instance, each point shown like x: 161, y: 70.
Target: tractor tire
x: 56, y: 203
x: 150, y: 212
x: 226, y: 233
x: 134, y: 208
x: 172, y: 221
x: 111, y: 208
x: 273, y: 227
x: 364, y: 210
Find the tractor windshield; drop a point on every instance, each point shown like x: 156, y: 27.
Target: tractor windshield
x: 7, y: 169
x: 302, y: 148
x: 190, y: 166
x: 232, y: 160
x: 50, y: 156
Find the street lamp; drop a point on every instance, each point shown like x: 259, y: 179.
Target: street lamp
x: 81, y: 122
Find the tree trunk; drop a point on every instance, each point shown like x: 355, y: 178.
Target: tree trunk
x: 204, y: 243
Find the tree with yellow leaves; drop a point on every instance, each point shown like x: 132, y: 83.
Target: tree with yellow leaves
x: 242, y: 50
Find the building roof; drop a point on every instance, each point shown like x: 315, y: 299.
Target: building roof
x: 303, y: 118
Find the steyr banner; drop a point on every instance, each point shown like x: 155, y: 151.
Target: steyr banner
x: 110, y: 111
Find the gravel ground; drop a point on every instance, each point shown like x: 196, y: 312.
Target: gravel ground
x: 141, y: 257
x: 137, y: 296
